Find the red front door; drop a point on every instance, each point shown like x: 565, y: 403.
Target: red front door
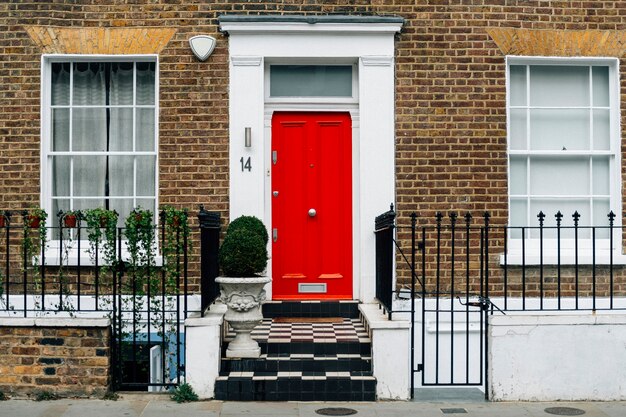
x: 311, y: 205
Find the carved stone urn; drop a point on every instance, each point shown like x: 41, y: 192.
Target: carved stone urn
x: 243, y: 297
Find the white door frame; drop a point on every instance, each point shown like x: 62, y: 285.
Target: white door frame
x: 367, y: 41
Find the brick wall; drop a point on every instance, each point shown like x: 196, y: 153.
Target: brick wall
x: 450, y: 92
x: 37, y: 356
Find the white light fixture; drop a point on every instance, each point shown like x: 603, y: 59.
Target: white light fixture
x: 248, y: 137
x: 202, y: 46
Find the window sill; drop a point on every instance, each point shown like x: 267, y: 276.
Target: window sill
x: 567, y: 259
x: 74, y: 258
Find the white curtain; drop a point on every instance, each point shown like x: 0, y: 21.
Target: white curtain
x: 103, y: 86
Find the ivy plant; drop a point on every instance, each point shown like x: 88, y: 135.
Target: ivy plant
x: 101, y: 233
x: 34, y: 243
x: 176, y: 233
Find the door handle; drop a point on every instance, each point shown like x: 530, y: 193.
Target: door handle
x: 312, y: 212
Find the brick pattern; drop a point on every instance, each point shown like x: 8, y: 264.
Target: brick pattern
x: 106, y: 41
x: 450, y: 91
x: 65, y: 361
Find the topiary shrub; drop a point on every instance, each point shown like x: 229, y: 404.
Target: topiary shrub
x: 250, y: 224
x: 244, y: 250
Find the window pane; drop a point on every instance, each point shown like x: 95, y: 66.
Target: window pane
x: 145, y: 129
x: 559, y: 86
x: 600, y: 86
x: 89, y: 175
x: 518, y: 176
x: 519, y: 211
x: 601, y: 179
x: 58, y: 204
x: 518, y: 129
x: 60, y: 130
x: 517, y: 84
x: 121, y: 90
x: 89, y: 131
x: 145, y: 175
x: 60, y: 84
x: 123, y: 206
x: 559, y: 129
x: 61, y: 176
x: 147, y: 204
x: 559, y: 176
x: 601, y: 210
x: 145, y: 82
x: 91, y: 203
x: 601, y: 130
x: 89, y: 83
x: 121, y: 175
x: 121, y: 130
x: 567, y: 207
x: 310, y: 81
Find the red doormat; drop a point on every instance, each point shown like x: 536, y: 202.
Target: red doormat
x: 308, y: 320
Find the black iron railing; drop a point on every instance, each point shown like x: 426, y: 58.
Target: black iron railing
x: 143, y: 286
x: 209, y: 244
x: 464, y: 268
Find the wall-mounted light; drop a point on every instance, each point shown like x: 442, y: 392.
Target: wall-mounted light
x: 202, y: 46
x: 248, y: 137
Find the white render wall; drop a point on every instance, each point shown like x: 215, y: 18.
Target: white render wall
x: 557, y: 357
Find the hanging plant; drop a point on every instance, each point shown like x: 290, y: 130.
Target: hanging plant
x: 140, y: 242
x: 70, y: 218
x: 177, y: 231
x: 101, y: 233
x: 34, y: 243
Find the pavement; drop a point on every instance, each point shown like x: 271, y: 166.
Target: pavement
x: 160, y: 405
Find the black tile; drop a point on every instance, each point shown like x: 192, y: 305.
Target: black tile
x: 308, y: 396
x: 344, y: 384
x: 307, y: 385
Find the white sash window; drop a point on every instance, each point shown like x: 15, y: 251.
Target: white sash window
x: 564, y: 148
x: 99, y: 145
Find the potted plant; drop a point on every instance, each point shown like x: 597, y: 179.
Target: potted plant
x: 243, y: 259
x: 70, y: 218
x: 35, y: 217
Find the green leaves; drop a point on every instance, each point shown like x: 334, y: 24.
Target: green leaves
x: 244, y: 250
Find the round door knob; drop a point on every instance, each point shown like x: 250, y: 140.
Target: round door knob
x: 312, y: 212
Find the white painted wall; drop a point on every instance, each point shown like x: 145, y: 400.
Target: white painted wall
x: 557, y: 357
x: 203, y: 350
x: 390, y: 348
x: 372, y: 47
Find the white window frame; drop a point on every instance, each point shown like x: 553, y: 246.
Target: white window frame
x: 52, y: 251
x: 532, y: 245
x: 354, y: 99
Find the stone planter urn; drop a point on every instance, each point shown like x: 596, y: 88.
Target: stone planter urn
x: 243, y: 297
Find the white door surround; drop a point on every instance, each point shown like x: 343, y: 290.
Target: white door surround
x: 367, y: 41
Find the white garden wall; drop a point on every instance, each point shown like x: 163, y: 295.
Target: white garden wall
x: 557, y: 357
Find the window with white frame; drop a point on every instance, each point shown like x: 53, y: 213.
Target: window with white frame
x: 563, y: 143
x: 100, y: 134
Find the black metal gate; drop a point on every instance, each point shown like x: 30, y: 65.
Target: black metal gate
x: 454, y: 277
x: 449, y: 293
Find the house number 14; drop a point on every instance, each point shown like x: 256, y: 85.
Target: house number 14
x: 246, y: 165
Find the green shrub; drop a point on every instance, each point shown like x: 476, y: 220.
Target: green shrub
x: 184, y: 394
x: 251, y: 224
x: 3, y: 396
x: 110, y: 396
x: 243, y: 254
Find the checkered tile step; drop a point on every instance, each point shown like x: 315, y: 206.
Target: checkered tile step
x: 303, y: 361
x: 322, y: 376
x: 350, y: 330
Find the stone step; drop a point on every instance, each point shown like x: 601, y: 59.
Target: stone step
x: 296, y: 386
x: 298, y: 362
x: 343, y: 308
